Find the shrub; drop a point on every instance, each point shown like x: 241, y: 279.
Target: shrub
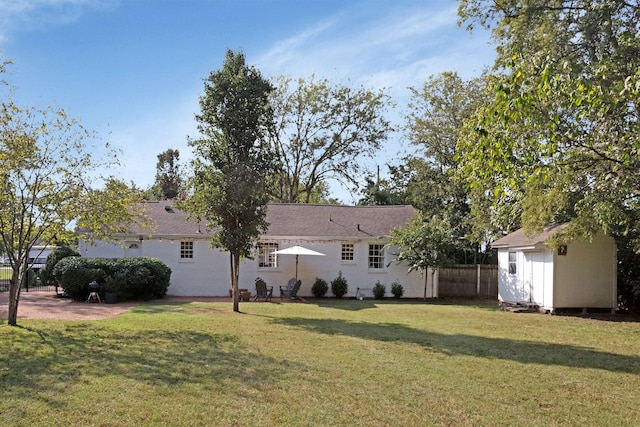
x: 339, y: 286
x: 46, y: 272
x: 131, y: 278
x: 379, y: 290
x: 319, y: 288
x: 397, y: 290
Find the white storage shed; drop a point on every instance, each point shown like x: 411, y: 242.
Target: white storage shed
x: 580, y: 274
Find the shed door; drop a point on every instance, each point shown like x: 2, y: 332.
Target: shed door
x: 533, y: 280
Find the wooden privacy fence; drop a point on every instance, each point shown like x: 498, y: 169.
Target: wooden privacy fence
x: 477, y: 281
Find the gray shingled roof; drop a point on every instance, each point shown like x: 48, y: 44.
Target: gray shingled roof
x: 287, y: 220
x: 520, y: 237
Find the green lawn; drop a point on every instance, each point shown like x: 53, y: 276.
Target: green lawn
x: 328, y: 363
x: 5, y: 273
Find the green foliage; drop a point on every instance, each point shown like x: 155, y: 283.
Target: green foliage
x: 323, y: 131
x: 46, y: 273
x: 397, y: 290
x: 379, y: 290
x: 49, y: 165
x: 168, y: 184
x: 74, y: 275
x: 131, y: 278
x: 232, y: 160
x: 339, y: 286
x: 560, y: 136
x: 320, y: 288
x: 425, y: 242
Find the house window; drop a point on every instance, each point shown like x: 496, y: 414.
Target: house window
x: 347, y: 252
x: 512, y: 263
x: 376, y: 256
x: 266, y: 256
x: 186, y: 249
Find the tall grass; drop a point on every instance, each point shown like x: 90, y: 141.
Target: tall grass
x: 338, y: 363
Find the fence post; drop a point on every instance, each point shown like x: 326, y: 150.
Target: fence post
x: 477, y: 279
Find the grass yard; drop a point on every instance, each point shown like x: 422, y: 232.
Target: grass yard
x: 326, y: 363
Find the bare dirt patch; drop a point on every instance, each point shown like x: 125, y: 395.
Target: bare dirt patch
x: 48, y: 306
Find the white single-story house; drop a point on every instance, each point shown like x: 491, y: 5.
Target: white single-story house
x: 352, y: 238
x: 579, y: 274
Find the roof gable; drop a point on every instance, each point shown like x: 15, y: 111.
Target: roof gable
x: 521, y: 238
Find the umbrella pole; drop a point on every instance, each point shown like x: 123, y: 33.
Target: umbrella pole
x: 296, y: 267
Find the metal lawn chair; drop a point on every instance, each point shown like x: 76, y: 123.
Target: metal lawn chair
x: 263, y: 291
x: 291, y: 293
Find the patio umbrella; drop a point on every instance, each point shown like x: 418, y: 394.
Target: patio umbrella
x: 297, y: 250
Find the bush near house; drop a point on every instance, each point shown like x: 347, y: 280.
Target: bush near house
x: 131, y: 278
x: 339, y: 286
x: 379, y: 290
x: 320, y: 288
x: 397, y: 290
x: 46, y: 273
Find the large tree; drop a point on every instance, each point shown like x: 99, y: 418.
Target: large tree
x: 427, y: 179
x: 562, y: 135
x: 232, y: 160
x: 168, y: 184
x: 425, y: 242
x: 322, y: 132
x: 49, y: 171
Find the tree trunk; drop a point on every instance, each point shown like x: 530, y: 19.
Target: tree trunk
x: 234, y: 282
x: 14, y: 296
x: 426, y: 281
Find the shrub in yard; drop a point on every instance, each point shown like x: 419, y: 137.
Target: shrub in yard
x: 397, y: 290
x: 379, y: 290
x: 74, y: 275
x: 320, y: 288
x: 46, y: 273
x: 131, y: 278
x: 339, y: 286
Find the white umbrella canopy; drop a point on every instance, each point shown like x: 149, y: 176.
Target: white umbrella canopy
x: 297, y: 250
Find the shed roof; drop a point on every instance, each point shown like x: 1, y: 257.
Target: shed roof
x: 521, y: 238
x: 289, y: 220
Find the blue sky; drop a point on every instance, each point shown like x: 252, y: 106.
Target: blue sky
x: 133, y: 69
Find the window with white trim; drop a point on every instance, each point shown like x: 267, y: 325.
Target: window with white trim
x: 347, y: 252
x: 376, y: 256
x: 513, y: 269
x: 186, y: 249
x: 266, y: 256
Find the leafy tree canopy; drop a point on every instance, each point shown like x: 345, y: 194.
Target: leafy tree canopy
x: 52, y: 188
x: 561, y: 136
x: 322, y: 131
x: 233, y: 159
x: 168, y: 184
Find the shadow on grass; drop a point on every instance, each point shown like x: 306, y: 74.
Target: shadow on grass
x: 470, y: 345
x: 45, y: 359
x: 350, y: 304
x: 353, y: 304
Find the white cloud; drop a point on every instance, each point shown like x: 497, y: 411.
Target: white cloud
x: 29, y: 15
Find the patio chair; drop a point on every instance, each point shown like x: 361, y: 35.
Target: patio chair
x: 287, y: 289
x: 262, y: 290
x: 292, y: 293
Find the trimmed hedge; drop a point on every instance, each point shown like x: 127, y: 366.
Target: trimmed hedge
x: 131, y: 278
x: 46, y: 273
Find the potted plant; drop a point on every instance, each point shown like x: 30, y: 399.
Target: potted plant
x: 111, y: 290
